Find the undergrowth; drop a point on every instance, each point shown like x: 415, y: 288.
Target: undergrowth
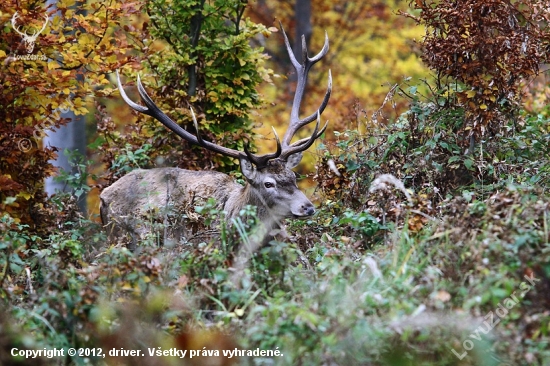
x: 445, y: 261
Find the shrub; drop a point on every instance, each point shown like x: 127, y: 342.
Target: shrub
x: 489, y: 48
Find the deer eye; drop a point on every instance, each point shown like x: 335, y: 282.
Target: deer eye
x: 269, y: 185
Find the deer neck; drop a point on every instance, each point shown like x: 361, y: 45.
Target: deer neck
x: 268, y: 221
x: 248, y: 196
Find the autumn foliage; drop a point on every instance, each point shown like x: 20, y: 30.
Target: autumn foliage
x: 490, y: 48
x: 416, y: 236
x: 67, y: 67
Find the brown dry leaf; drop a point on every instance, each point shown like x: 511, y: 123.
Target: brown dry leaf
x: 416, y: 223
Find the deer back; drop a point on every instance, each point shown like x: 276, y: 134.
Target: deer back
x: 142, y: 189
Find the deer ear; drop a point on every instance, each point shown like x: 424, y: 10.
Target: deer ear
x: 293, y: 160
x: 248, y: 169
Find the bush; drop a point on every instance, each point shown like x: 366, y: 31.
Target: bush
x: 489, y: 48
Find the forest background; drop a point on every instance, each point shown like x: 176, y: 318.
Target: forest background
x: 447, y: 99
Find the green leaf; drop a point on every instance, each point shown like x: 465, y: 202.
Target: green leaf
x: 469, y: 163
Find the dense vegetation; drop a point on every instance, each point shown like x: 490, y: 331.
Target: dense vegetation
x: 430, y: 245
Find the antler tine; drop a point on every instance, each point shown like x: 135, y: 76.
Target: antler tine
x: 306, y: 139
x: 129, y: 101
x: 307, y: 61
x: 321, y: 108
x: 196, y: 124
x: 262, y: 160
x: 302, y: 70
x: 304, y: 144
x: 154, y: 111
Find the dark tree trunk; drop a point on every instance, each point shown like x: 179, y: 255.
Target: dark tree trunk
x: 195, y: 31
x: 302, y: 15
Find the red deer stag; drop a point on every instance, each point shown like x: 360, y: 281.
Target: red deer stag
x: 270, y: 182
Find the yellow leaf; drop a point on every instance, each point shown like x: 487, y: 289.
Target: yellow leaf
x: 25, y: 195
x: 471, y: 93
x: 53, y: 65
x: 2, y: 53
x: 483, y: 107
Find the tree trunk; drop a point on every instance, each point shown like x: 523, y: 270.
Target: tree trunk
x: 72, y: 137
x: 302, y: 16
x: 195, y: 32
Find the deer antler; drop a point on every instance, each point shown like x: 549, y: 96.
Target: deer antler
x: 302, y: 71
x: 154, y: 111
x: 284, y: 149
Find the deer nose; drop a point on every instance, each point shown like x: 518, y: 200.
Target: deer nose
x: 308, y: 209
